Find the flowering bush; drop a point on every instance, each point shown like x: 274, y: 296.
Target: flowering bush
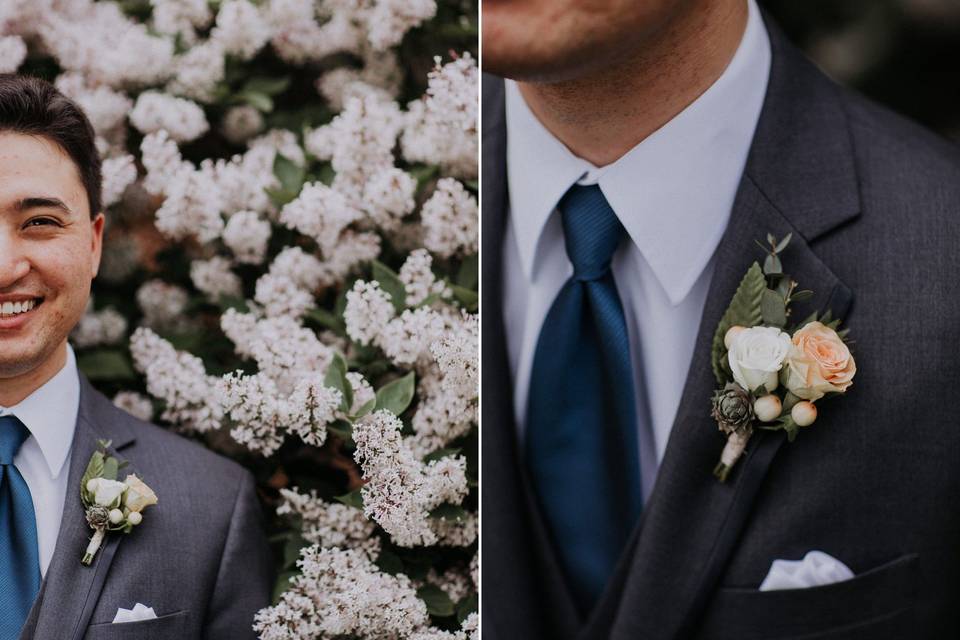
x: 290, y: 274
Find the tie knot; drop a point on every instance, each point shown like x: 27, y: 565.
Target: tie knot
x: 12, y: 434
x: 591, y: 231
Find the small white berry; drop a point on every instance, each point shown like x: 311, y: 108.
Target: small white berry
x: 116, y: 516
x: 92, y: 485
x: 804, y: 413
x: 135, y: 517
x: 731, y: 334
x: 767, y: 408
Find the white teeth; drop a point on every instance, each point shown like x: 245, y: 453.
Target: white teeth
x: 13, y: 308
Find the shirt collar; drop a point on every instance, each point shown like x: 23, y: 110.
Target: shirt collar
x: 673, y: 192
x: 50, y: 414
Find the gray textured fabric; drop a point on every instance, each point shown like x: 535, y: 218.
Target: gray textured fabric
x: 872, y: 201
x: 199, y: 558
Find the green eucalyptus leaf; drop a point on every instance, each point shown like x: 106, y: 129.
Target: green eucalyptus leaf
x: 783, y: 243
x: 772, y: 266
x: 438, y: 602
x: 396, y: 395
x: 110, y: 468
x: 803, y: 294
x: 744, y: 310
x: 94, y: 470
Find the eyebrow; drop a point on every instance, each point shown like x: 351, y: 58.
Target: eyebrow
x: 41, y: 202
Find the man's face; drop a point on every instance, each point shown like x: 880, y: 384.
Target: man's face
x: 555, y: 40
x: 49, y: 251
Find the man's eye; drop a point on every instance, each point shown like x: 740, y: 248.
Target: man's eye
x: 36, y: 222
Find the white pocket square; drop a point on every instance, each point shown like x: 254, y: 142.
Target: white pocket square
x: 816, y: 569
x: 139, y: 612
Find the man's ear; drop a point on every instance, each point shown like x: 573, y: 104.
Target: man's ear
x: 96, y: 243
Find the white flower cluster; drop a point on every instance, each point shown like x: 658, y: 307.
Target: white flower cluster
x: 104, y: 327
x: 400, y: 490
x: 215, y: 278
x: 342, y: 593
x: 136, y: 404
x: 178, y: 379
x: 162, y: 304
x: 13, y: 51
x: 330, y: 525
x: 442, y: 126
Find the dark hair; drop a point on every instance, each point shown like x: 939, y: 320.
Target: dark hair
x: 32, y: 106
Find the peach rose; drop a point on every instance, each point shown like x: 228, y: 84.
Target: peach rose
x: 818, y: 363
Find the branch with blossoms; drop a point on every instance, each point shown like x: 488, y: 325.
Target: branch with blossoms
x: 292, y: 251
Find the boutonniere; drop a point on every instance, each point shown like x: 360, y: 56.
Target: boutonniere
x: 771, y: 373
x: 111, y: 505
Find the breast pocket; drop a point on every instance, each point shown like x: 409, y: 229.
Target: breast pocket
x: 878, y: 603
x: 165, y: 627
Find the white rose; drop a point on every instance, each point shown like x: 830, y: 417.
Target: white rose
x: 106, y: 491
x: 756, y: 356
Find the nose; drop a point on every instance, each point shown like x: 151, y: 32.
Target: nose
x: 13, y: 261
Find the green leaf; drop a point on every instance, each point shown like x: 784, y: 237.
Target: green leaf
x: 282, y: 584
x: 449, y: 512
x: 291, y: 549
x: 389, y: 562
x: 352, y: 499
x: 366, y: 408
x: 438, y: 602
x: 772, y: 308
x: 326, y: 319
x: 289, y: 173
x: 336, y: 377
x: 803, y: 294
x: 468, y: 298
x: 341, y: 429
x: 268, y: 86
x: 467, y: 605
x: 396, y: 395
x: 106, y: 365
x: 441, y: 453
x: 469, y: 273
x: 259, y: 101
x: 279, y: 197
x: 389, y: 281
x: 744, y: 310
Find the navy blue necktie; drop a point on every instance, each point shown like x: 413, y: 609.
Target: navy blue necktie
x: 581, y: 434
x: 19, y: 557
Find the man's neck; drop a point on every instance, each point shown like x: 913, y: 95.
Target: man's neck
x: 14, y: 390
x: 600, y: 117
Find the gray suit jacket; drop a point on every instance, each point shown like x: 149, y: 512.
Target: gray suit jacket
x: 873, y: 203
x: 199, y: 558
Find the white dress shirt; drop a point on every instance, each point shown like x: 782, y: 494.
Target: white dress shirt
x: 50, y: 414
x: 673, y: 193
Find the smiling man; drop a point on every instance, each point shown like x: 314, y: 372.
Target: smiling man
x: 199, y: 559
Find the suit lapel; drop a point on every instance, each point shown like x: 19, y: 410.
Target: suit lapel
x: 524, y: 594
x: 799, y: 179
x: 70, y: 590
